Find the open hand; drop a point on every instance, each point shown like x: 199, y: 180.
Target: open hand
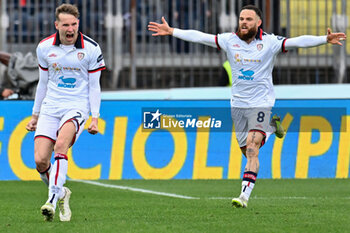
x: 335, y: 38
x: 160, y: 29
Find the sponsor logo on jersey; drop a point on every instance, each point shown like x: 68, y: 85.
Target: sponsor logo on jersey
x: 259, y: 46
x: 246, y: 74
x: 67, y: 82
x: 80, y: 56
x: 71, y: 68
x: 56, y: 67
x: 236, y: 46
x: 52, y: 55
x: 238, y: 57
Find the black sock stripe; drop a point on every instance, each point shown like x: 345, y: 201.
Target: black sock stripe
x: 53, y: 196
x: 249, y: 180
x: 252, y: 173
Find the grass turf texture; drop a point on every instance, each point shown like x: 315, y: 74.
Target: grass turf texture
x: 312, y: 205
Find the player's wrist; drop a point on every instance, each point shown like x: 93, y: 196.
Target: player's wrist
x: 35, y: 114
x: 95, y: 115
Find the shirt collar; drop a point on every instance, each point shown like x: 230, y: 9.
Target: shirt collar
x: 259, y: 34
x: 79, y: 44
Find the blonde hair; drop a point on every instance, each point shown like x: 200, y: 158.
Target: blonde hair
x: 67, y: 9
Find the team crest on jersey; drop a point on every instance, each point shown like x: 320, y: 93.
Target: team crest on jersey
x: 259, y: 46
x: 81, y: 56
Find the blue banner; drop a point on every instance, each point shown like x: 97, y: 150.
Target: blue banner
x: 186, y: 139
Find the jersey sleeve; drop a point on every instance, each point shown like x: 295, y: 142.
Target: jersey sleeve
x: 97, y: 62
x: 222, y: 40
x: 43, y: 64
x: 277, y: 44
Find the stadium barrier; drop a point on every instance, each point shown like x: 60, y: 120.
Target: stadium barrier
x: 316, y: 144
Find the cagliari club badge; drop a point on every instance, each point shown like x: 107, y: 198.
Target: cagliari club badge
x: 259, y: 46
x: 80, y: 56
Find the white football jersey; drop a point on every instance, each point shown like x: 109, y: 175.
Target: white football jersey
x: 251, y: 66
x: 68, y: 70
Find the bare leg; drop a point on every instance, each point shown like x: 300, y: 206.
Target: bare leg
x: 251, y: 170
x: 60, y: 167
x: 42, y: 154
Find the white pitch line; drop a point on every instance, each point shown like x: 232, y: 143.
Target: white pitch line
x: 196, y: 198
x: 282, y: 198
x: 135, y: 189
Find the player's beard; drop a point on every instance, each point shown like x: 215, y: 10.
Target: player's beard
x: 246, y: 37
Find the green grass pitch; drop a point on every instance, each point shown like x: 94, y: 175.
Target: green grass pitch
x: 287, y: 205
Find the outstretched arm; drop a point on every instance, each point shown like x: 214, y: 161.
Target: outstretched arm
x: 195, y: 36
x: 312, y: 41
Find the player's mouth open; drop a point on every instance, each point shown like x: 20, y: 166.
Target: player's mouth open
x: 70, y: 36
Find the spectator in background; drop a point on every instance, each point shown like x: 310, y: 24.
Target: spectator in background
x: 226, y: 75
x: 21, y: 76
x: 5, y: 92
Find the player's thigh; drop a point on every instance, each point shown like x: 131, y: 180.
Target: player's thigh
x: 255, y: 138
x: 72, y: 125
x: 66, y: 134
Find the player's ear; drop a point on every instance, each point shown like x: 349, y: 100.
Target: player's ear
x: 56, y: 24
x: 259, y: 22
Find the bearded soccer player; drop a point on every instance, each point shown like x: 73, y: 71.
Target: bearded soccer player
x: 70, y: 65
x: 251, y: 54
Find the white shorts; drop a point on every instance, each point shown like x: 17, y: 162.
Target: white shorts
x: 251, y: 119
x: 51, y: 121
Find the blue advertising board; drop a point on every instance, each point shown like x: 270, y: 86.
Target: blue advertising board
x: 177, y: 145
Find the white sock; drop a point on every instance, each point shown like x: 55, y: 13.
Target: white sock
x: 248, y: 184
x: 247, y: 188
x: 58, y: 178
x: 45, y: 175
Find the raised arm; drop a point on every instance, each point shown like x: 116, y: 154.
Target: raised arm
x: 312, y: 41
x: 195, y: 36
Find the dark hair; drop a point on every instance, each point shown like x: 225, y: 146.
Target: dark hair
x: 67, y: 9
x: 254, y: 8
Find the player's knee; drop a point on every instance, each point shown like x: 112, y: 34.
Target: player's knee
x: 41, y: 164
x: 253, y: 145
x: 61, y: 146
